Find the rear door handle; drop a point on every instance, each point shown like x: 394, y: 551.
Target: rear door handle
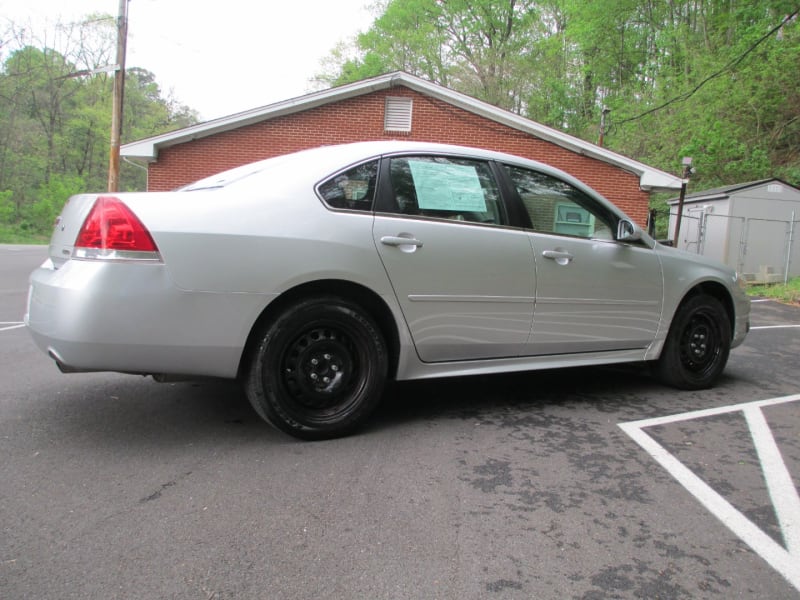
x: 396, y: 240
x: 560, y: 256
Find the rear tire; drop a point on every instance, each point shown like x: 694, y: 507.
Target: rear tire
x: 697, y: 346
x: 319, y: 369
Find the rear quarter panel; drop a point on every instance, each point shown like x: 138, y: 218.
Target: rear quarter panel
x: 226, y: 256
x: 248, y: 241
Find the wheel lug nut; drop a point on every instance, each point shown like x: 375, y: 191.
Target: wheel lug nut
x: 314, y: 362
x: 314, y: 376
x: 326, y: 379
x: 326, y: 356
x: 334, y: 368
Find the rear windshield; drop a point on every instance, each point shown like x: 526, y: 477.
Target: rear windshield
x: 226, y: 178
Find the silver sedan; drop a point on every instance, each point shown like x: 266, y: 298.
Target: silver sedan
x: 316, y: 276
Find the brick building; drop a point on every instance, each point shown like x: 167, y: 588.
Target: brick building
x: 392, y: 106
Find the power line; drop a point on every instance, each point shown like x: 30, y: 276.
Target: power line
x: 727, y: 67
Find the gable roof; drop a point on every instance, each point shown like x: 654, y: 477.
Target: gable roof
x: 722, y: 193
x: 650, y: 179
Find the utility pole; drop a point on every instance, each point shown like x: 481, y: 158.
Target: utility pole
x: 119, y: 94
x: 603, y: 114
x: 687, y: 171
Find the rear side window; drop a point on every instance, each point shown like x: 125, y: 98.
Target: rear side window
x: 446, y: 188
x: 353, y: 189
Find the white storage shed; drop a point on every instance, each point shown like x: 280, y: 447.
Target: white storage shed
x: 752, y: 227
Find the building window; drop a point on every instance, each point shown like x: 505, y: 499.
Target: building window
x: 397, y: 114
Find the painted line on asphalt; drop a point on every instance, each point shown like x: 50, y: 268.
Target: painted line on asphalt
x: 784, y: 496
x: 774, y: 327
x: 11, y: 325
x: 779, y: 481
x: 762, y: 300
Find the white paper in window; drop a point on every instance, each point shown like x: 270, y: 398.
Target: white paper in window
x: 442, y: 186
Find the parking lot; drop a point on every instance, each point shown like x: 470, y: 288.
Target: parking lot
x: 582, y: 483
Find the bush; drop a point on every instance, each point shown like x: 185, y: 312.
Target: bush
x: 33, y: 223
x: 8, y: 211
x: 38, y: 218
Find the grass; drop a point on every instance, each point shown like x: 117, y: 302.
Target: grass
x: 788, y: 293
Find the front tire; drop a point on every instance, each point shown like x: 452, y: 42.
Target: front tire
x: 697, y: 346
x: 319, y: 369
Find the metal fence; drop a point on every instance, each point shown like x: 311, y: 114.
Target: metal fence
x: 763, y: 250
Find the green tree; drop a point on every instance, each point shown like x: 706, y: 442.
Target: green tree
x: 726, y: 93
x: 39, y: 216
x: 476, y: 46
x: 714, y: 79
x: 408, y: 36
x: 8, y: 210
x: 55, y: 120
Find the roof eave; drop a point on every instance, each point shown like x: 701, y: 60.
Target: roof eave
x: 695, y: 199
x: 148, y: 148
x: 650, y: 179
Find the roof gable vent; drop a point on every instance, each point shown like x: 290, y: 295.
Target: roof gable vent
x: 397, y: 115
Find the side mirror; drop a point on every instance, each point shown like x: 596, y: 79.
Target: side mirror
x: 627, y: 231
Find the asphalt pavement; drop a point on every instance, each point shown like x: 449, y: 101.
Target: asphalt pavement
x: 581, y: 483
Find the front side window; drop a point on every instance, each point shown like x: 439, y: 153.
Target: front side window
x: 353, y: 189
x: 446, y: 188
x: 556, y: 207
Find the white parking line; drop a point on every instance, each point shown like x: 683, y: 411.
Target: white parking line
x: 784, y: 496
x: 773, y: 327
x: 9, y: 325
x: 779, y: 480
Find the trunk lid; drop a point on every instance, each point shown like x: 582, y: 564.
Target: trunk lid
x: 67, y: 226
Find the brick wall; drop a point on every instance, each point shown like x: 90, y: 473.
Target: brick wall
x: 361, y: 119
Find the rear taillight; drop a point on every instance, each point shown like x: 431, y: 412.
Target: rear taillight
x: 113, y: 231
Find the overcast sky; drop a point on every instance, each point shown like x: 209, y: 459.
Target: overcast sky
x: 218, y: 57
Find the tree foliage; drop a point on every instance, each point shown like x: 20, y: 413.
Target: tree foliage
x: 717, y: 80
x: 55, y: 123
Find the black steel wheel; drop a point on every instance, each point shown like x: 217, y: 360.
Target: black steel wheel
x: 697, y: 346
x: 319, y: 369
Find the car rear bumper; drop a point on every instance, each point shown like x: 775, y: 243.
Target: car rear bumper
x: 129, y: 317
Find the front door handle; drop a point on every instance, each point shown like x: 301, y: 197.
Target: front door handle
x: 396, y: 240
x: 560, y: 256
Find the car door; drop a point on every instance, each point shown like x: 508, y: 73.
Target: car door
x: 593, y: 293
x: 463, y: 279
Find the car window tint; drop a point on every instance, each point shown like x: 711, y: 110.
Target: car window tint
x: 446, y: 188
x: 556, y: 207
x: 353, y: 189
